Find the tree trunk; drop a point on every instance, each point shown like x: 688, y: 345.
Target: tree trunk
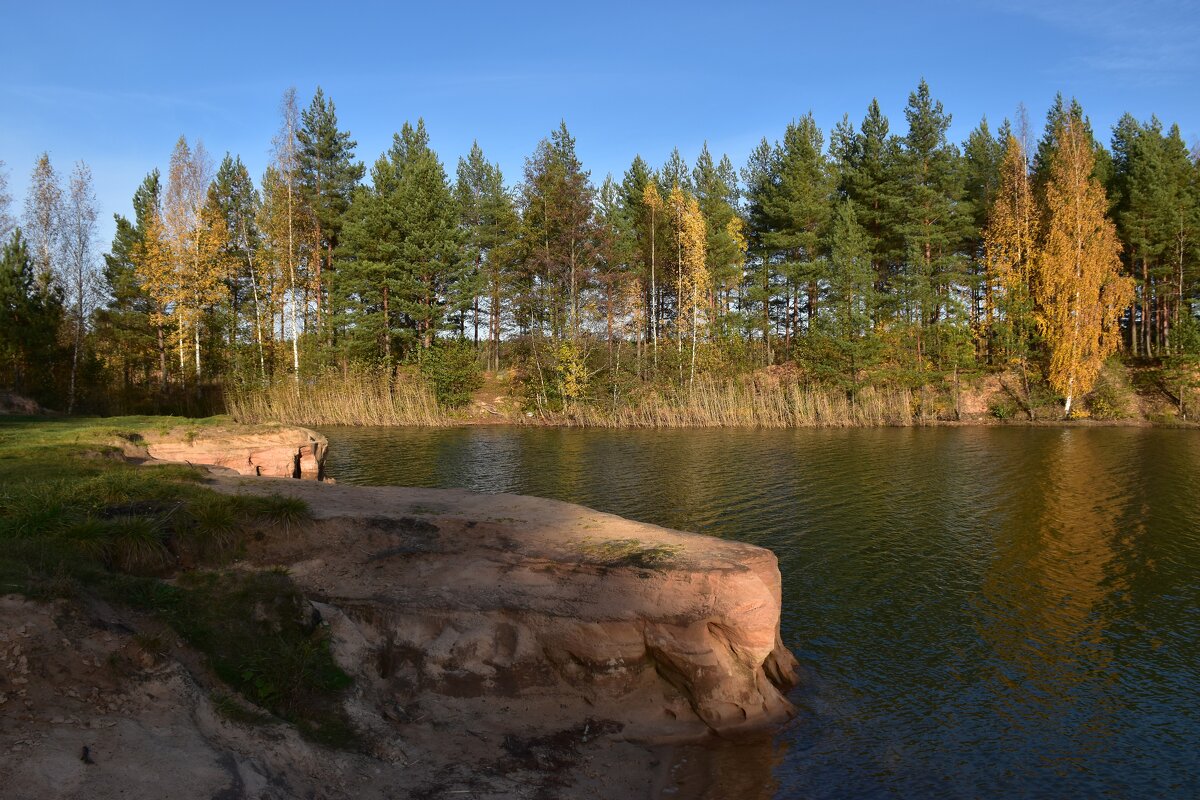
x: 653, y: 292
x: 387, y: 332
x: 1145, y: 307
x: 766, y: 318
x: 162, y: 360
x: 494, y: 323
x: 75, y: 357
x: 262, y: 362
x: 695, y: 313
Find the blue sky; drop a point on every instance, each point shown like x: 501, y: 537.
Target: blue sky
x: 115, y: 84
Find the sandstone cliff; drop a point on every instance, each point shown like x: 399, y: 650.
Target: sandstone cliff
x: 501, y: 646
x: 486, y: 596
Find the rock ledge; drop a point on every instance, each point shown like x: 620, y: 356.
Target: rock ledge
x: 267, y: 451
x: 472, y: 596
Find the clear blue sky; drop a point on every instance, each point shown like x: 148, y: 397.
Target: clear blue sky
x: 115, y: 84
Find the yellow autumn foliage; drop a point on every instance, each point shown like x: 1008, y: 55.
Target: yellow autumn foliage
x: 1077, y: 286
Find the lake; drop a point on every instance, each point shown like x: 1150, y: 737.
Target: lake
x: 977, y: 611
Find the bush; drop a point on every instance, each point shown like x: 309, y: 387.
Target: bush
x: 571, y: 372
x: 1002, y: 408
x: 452, y: 367
x: 1109, y: 400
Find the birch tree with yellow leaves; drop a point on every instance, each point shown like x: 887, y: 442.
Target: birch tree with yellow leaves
x: 1077, y: 288
x: 691, y: 238
x: 1009, y: 242
x: 196, y: 236
x: 695, y: 270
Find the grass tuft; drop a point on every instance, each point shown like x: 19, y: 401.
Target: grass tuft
x: 628, y: 553
x: 282, y: 511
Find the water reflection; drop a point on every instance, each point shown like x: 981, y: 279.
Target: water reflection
x: 1048, y: 597
x: 721, y: 770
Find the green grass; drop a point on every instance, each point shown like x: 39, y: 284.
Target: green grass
x: 76, y: 519
x: 628, y: 553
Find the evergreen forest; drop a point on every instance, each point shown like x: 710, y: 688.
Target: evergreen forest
x: 877, y: 268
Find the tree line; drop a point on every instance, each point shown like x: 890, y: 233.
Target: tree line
x: 864, y: 256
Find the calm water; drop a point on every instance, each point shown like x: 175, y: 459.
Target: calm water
x: 977, y: 612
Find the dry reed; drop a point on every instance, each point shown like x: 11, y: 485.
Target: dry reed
x: 359, y: 397
x: 722, y: 404
x: 364, y: 397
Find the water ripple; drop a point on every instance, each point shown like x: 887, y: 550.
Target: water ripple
x: 977, y: 612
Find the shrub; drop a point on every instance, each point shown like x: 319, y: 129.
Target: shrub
x: 452, y: 367
x: 572, y: 373
x: 1109, y: 400
x: 1002, y: 408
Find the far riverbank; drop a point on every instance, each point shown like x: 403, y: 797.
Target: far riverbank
x: 774, y: 398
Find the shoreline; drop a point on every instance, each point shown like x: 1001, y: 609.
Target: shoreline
x: 496, y: 642
x: 470, y: 422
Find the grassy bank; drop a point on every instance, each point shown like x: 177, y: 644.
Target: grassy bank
x: 78, y: 522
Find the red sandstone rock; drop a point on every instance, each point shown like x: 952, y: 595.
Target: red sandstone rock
x: 276, y: 452
x: 476, y: 596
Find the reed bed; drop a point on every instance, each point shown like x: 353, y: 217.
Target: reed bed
x: 363, y: 397
x: 360, y: 397
x: 729, y: 404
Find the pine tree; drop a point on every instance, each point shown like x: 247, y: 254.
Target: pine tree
x: 717, y: 192
x: 982, y: 158
x: 795, y: 211
x: 490, y: 222
x: 1078, y: 290
x: 367, y: 272
x: 758, y: 178
x: 326, y: 176
x: 1181, y: 259
x: 674, y: 173
x: 30, y: 315
x: 851, y: 297
x: 640, y: 235
x: 612, y: 250
x: 432, y: 268
x: 405, y: 246
x: 127, y: 342
x: 869, y: 173
x: 239, y: 204
x: 1154, y: 209
x: 933, y: 225
x: 559, y: 235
